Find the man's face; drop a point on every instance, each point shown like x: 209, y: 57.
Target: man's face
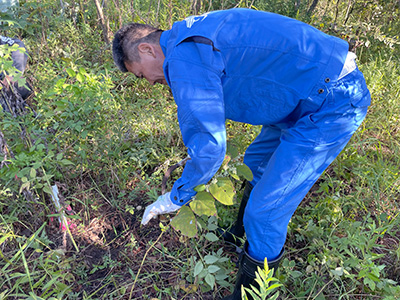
x: 150, y: 65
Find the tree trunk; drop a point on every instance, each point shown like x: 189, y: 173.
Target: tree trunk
x: 326, y: 8
x: 196, y: 6
x: 170, y: 8
x: 118, y: 8
x: 337, y: 13
x: 148, y: 12
x: 297, y: 4
x: 349, y: 10
x: 312, y: 7
x: 103, y: 21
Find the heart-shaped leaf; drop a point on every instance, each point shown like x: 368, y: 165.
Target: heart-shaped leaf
x: 198, y: 268
x: 185, y: 222
x: 232, y: 151
x: 243, y: 170
x: 204, y: 204
x: 223, y: 191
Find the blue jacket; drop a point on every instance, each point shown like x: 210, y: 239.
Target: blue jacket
x: 19, y: 59
x: 244, y: 65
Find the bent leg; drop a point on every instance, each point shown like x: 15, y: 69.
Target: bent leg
x: 304, y: 152
x: 256, y: 158
x: 260, y: 151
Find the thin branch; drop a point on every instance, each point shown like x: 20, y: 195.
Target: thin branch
x: 103, y: 21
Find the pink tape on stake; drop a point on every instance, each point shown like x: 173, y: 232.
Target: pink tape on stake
x: 61, y: 219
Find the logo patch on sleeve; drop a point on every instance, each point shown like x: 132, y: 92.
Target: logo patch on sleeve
x: 6, y: 40
x: 193, y: 19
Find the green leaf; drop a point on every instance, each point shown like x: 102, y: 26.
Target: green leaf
x: 71, y: 72
x: 23, y: 172
x: 212, y: 226
x: 210, y: 279
x: 84, y: 133
x: 203, y: 274
x: 82, y: 71
x: 80, y: 77
x: 297, y: 274
x: 232, y: 151
x: 61, y: 105
x: 25, y: 185
x: 221, y: 276
x: 47, y: 177
x: 198, y: 268
x: 66, y: 162
x: 223, y: 191
x: 204, y: 204
x: 234, y: 175
x: 37, y: 165
x: 370, y: 283
x: 274, y: 286
x: 66, y: 59
x: 32, y: 173
x: 185, y: 222
x: 210, y: 259
x: 211, y: 237
x: 213, y: 268
x: 51, y: 282
x: 200, y: 188
x: 243, y: 170
x: 373, y: 277
x: 338, y: 271
x: 47, y: 189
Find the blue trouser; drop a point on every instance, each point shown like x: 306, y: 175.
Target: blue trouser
x: 287, y: 161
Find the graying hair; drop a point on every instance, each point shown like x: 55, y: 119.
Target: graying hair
x: 127, y: 39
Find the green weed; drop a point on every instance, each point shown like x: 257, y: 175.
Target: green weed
x: 106, y: 139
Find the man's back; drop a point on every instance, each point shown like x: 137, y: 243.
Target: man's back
x: 268, y: 62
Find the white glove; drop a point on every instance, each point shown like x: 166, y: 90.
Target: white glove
x: 163, y: 205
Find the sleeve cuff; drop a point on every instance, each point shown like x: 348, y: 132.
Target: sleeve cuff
x: 181, y: 197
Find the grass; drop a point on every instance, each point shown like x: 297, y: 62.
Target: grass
x: 106, y: 140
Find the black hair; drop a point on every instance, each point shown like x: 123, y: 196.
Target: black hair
x: 128, y: 38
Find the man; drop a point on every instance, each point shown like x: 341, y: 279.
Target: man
x: 20, y: 60
x: 301, y: 85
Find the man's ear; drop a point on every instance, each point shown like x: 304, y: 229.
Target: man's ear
x: 146, y: 48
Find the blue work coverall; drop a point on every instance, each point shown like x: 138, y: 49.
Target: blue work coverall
x: 19, y: 62
x: 19, y: 59
x: 263, y: 69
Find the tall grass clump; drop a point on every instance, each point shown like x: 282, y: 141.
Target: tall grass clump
x: 106, y: 139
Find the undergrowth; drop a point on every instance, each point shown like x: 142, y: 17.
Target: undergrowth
x: 106, y: 139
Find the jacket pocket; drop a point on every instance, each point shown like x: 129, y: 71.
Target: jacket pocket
x: 361, y: 100
x: 357, y: 89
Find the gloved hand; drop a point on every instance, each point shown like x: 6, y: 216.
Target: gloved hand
x: 163, y: 205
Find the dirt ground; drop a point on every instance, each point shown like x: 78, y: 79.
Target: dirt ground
x: 120, y: 259
x: 114, y: 251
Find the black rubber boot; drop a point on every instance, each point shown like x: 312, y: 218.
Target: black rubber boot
x: 233, y: 234
x: 247, y: 272
x: 25, y: 92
